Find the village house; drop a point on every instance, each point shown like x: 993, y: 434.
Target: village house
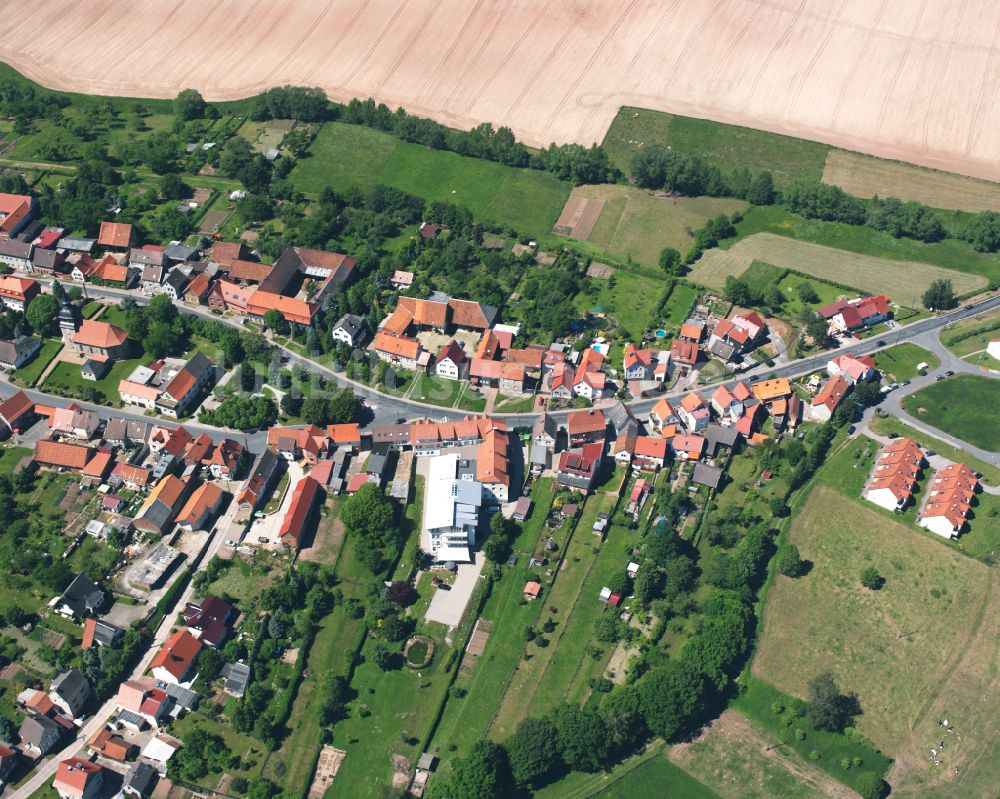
x: 17, y: 292
x: 846, y: 315
x: 150, y: 279
x: 694, y: 412
x: 48, y: 263
x: 161, y: 507
x: 687, y: 447
x: 18, y: 411
x: 224, y: 461
x: 562, y: 381
x: 16, y: 211
x: 684, y: 352
x: 586, y: 427
x: 398, y: 350
x: 77, y: 778
x: 171, y: 440
x: 196, y: 291
x: 350, y: 330
x: 451, y: 363
x: 70, y: 692
x: 74, y: 422
x: 202, y: 507
x: 663, y: 414
x: 175, y: 661
x: 116, y: 237
x: 62, y: 455
x: 14, y: 354
x: 579, y: 468
x: 16, y: 254
x: 544, y: 432
x: 209, y: 619
x: 650, y: 452
x: 401, y: 280
x: 80, y: 599
x: 308, y: 443
x: 186, y: 386
x: 852, y: 368
x: 828, y: 398
x: 509, y: 378
x: 228, y: 296
x: 263, y: 475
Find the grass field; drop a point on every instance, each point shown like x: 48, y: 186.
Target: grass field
x: 65, y: 379
x: 957, y: 405
x: 631, y: 300
x: 919, y: 650
x: 656, y: 777
x: 903, y: 281
x: 725, y: 146
x: 900, y: 362
x: 864, y: 176
x: 264, y: 135
x: 636, y: 224
x: 952, y: 254
x: 543, y: 677
x: 346, y: 156
x: 761, y: 274
x: 731, y: 757
x: 971, y: 335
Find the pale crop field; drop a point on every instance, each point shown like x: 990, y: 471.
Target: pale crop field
x: 903, y: 281
x: 921, y: 649
x: 864, y: 176
x: 912, y: 80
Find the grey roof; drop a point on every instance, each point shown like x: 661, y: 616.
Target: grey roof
x: 116, y: 430
x: 376, y: 464
x: 176, y: 279
x: 82, y: 595
x: 146, y: 257
x: 152, y: 274
x: 105, y: 633
x: 71, y: 684
x: 716, y: 434
x: 131, y: 717
x: 620, y: 418
x: 140, y: 778
x: 722, y: 349
x: 351, y: 323
x: 198, y: 365
x: 46, y: 259
x: 707, y: 475
x: 237, y: 676
x: 76, y: 244
x: 10, y: 351
x: 16, y: 249
x: 35, y: 726
x: 97, y: 368
x: 184, y: 697
x: 545, y: 425
x: 179, y: 252
x: 539, y: 455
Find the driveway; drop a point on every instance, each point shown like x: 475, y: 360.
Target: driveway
x: 447, y: 607
x: 267, y: 527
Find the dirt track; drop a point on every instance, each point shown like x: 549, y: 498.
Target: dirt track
x: 907, y: 79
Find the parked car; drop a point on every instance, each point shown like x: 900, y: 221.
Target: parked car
x: 939, y: 378
x: 949, y: 373
x: 880, y: 343
x: 851, y: 430
x: 905, y: 383
x: 931, y: 453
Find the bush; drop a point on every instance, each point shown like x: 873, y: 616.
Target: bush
x: 870, y: 786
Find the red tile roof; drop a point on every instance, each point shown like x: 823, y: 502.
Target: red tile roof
x: 16, y: 406
x: 582, y: 422
x: 94, y: 333
x: 115, y: 234
x: 303, y: 499
x: 13, y: 209
x: 685, y: 352
x: 57, y: 453
x: 75, y: 775
x: 177, y: 654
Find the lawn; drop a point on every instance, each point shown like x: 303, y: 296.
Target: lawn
x: 435, y: 390
x: 900, y: 362
x: 637, y: 224
x: 65, y: 379
x: 10, y: 457
x: 731, y: 756
x: 864, y: 176
x: 28, y: 374
x: 903, y: 280
x: 345, y: 156
x: 471, y: 400
x: 950, y: 254
x: 249, y: 749
x: 244, y: 582
x: 928, y: 635
x: 678, y: 306
x: 725, y: 146
x: 956, y: 406
x: 631, y: 300
x: 505, y: 404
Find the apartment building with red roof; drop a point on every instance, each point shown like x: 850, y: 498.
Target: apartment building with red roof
x: 16, y: 211
x: 828, y: 398
x: 895, y: 474
x: 17, y: 292
x: 949, y: 500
